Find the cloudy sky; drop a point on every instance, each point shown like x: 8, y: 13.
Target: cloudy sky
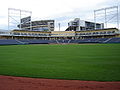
x: 62, y: 11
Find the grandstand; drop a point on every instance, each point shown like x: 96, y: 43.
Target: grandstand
x: 42, y: 32
x: 15, y: 37
x: 39, y: 41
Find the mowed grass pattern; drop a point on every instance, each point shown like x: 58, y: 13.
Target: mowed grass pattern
x: 99, y: 62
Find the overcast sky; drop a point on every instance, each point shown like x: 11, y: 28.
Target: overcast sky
x: 62, y: 11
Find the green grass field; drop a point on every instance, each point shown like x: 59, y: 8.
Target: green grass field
x: 99, y: 62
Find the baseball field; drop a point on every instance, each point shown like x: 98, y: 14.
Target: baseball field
x: 91, y: 62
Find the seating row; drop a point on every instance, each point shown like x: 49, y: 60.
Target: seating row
x: 39, y: 41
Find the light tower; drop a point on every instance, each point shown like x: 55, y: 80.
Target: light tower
x: 17, y: 17
x: 109, y: 16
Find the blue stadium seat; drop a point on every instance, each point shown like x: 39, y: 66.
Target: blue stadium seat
x: 40, y: 41
x: 9, y: 42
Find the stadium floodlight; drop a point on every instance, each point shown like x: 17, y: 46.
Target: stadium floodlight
x: 18, y: 17
x: 59, y: 26
x: 109, y: 16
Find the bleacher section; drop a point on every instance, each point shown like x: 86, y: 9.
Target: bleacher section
x: 62, y: 41
x: 97, y: 40
x: 9, y: 42
x: 39, y: 41
x: 34, y: 41
x: 114, y: 40
x: 53, y: 41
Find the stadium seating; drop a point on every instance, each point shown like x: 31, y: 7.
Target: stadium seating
x: 34, y: 41
x: 53, y: 41
x: 97, y: 40
x: 22, y: 41
x: 113, y: 40
x: 9, y: 42
x: 62, y: 41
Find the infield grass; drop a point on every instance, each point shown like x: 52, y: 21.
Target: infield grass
x: 99, y: 62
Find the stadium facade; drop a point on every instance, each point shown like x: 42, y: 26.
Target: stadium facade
x: 44, y: 29
x: 41, y: 25
x: 28, y: 34
x: 82, y: 31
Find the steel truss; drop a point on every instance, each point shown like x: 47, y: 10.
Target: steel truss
x: 15, y: 16
x: 109, y: 16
